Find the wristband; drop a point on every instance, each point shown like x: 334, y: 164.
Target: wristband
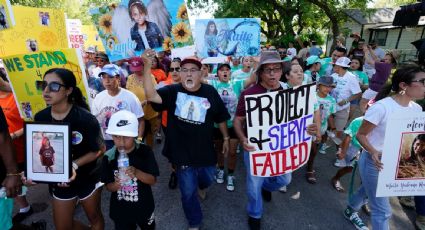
x: 226, y: 138
x: 74, y: 166
x: 13, y: 174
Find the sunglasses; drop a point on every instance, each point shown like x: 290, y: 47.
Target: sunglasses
x: 420, y: 81
x: 53, y: 86
x: 177, y: 69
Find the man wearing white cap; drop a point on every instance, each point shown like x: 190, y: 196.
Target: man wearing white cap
x: 347, y: 89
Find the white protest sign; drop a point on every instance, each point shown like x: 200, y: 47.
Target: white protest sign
x: 75, y: 34
x: 403, y: 156
x: 277, y: 123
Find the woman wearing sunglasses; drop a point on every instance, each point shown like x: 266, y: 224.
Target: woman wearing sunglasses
x: 67, y: 104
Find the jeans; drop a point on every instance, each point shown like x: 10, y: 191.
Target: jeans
x: 254, y: 185
x: 380, y: 206
x: 190, y: 179
x: 420, y: 205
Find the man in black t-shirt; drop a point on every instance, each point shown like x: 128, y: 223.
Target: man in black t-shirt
x: 9, y: 175
x: 193, y: 108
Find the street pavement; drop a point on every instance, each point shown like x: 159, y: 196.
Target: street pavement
x: 319, y: 206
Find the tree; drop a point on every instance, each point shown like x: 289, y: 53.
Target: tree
x: 72, y: 8
x: 282, y: 20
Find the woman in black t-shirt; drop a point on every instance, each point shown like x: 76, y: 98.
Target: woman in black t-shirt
x: 67, y: 104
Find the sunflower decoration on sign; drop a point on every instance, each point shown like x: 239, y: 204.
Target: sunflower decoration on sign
x: 168, y: 44
x: 111, y: 41
x: 182, y: 12
x: 105, y: 23
x: 181, y: 32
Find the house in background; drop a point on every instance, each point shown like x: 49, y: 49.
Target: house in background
x: 377, y: 26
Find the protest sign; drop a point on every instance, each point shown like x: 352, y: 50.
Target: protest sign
x: 403, y: 156
x: 227, y: 37
x: 7, y: 18
x: 36, y: 29
x: 75, y: 34
x: 25, y: 69
x: 91, y: 38
x: 132, y: 26
x: 276, y: 124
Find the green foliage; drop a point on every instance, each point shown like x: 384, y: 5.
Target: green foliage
x: 73, y: 8
x: 283, y: 20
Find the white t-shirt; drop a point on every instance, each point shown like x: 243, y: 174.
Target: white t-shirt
x: 378, y: 114
x: 346, y: 86
x: 241, y: 75
x: 291, y: 52
x: 104, y: 105
x: 144, y: 38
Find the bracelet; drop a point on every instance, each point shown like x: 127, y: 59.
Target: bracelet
x: 226, y: 138
x: 13, y: 174
x: 74, y: 166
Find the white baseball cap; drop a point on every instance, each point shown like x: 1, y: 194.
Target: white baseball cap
x: 123, y: 123
x: 343, y: 62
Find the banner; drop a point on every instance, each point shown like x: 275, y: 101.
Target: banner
x: 75, y: 34
x: 134, y: 25
x: 7, y: 20
x: 227, y: 37
x: 91, y: 38
x: 277, y: 123
x: 25, y: 69
x: 36, y: 29
x: 403, y: 156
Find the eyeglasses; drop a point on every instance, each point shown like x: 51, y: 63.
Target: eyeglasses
x: 421, y: 81
x: 270, y: 70
x: 53, y: 86
x: 190, y: 70
x: 177, y: 69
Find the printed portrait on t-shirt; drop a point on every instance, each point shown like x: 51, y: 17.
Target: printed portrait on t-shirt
x: 191, y: 108
x: 230, y: 99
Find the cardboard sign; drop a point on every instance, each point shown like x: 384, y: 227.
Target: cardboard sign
x: 36, y: 29
x: 277, y: 123
x: 91, y: 38
x: 25, y: 69
x: 7, y: 20
x: 227, y: 37
x: 403, y: 156
x: 132, y: 26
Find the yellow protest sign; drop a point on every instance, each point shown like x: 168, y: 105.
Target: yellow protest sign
x: 91, y: 38
x: 36, y: 29
x: 7, y: 19
x: 25, y: 69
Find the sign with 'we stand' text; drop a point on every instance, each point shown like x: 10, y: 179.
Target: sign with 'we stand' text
x: 277, y: 126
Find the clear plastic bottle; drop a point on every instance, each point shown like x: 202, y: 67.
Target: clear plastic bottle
x: 123, y: 164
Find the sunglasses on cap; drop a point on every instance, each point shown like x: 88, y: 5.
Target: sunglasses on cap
x: 53, y: 86
x: 177, y: 69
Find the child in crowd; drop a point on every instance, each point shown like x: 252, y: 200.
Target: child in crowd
x: 132, y: 203
x: 348, y: 153
x: 324, y: 108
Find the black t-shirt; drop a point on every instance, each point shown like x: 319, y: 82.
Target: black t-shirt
x: 358, y: 53
x: 125, y: 207
x: 4, y: 131
x: 86, y: 137
x: 191, y: 117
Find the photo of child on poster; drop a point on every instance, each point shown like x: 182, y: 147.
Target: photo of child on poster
x: 3, y: 19
x: 48, y: 152
x: 411, y: 163
x: 128, y: 28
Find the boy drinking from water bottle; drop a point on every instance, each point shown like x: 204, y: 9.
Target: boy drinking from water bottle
x: 132, y: 202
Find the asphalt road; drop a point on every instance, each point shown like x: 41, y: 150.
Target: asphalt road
x: 319, y: 206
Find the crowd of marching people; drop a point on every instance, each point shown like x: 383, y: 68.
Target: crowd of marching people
x: 197, y: 110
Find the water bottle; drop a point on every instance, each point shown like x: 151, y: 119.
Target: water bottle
x: 123, y: 164
x: 334, y: 138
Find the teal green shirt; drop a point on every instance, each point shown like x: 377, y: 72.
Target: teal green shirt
x: 361, y: 77
x: 327, y: 107
x: 229, y: 93
x: 352, y: 130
